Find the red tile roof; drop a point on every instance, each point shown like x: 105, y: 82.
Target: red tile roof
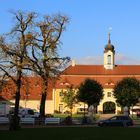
x: 75, y: 80
x: 108, y: 78
x: 100, y: 70
x: 31, y: 89
x: 74, y: 75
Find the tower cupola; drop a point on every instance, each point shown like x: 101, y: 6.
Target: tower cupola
x: 109, y: 46
x: 109, y: 55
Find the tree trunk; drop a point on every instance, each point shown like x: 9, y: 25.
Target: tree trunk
x: 84, y: 110
x: 14, y: 120
x: 17, y: 100
x: 43, y: 99
x: 95, y: 109
x: 42, y: 105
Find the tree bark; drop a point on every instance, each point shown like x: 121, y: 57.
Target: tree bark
x: 42, y: 104
x: 43, y: 99
x: 14, y: 121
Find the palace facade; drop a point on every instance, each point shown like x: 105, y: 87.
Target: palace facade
x: 107, y: 75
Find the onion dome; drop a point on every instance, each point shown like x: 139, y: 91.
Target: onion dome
x: 109, y: 46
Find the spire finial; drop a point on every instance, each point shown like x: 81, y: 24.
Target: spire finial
x: 109, y: 41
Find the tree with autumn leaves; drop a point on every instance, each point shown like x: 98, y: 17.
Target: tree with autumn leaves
x: 69, y: 97
x: 32, y: 46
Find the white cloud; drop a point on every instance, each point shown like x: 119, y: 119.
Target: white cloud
x: 90, y: 60
x: 126, y: 60
x: 98, y: 60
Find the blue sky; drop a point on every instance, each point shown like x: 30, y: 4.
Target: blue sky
x: 87, y: 31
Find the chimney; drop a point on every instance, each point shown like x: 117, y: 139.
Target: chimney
x: 73, y: 62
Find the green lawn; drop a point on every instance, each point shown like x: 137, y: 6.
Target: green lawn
x: 72, y: 133
x: 74, y: 115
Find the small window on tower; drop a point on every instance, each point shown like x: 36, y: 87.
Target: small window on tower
x: 109, y: 59
x: 108, y: 94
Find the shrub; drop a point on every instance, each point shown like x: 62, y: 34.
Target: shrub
x: 56, y: 111
x: 68, y: 120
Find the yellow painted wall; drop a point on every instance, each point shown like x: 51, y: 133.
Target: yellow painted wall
x: 57, y: 101
x: 106, y: 99
x: 54, y: 104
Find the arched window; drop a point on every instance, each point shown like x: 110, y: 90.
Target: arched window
x: 109, y: 59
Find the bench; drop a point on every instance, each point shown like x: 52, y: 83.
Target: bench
x: 52, y: 120
x: 4, y: 120
x: 27, y: 120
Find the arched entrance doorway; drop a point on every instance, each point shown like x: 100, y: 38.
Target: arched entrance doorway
x: 109, y: 108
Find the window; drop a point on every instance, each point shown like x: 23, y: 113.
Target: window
x: 108, y: 94
x: 61, y: 93
x: 109, y: 59
x: 61, y: 108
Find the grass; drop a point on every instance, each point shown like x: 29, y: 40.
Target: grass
x: 73, y: 115
x: 65, y: 115
x: 72, y: 133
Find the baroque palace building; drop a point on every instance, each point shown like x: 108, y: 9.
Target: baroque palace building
x: 107, y: 75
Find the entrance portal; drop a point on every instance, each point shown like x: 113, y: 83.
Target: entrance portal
x: 109, y: 108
